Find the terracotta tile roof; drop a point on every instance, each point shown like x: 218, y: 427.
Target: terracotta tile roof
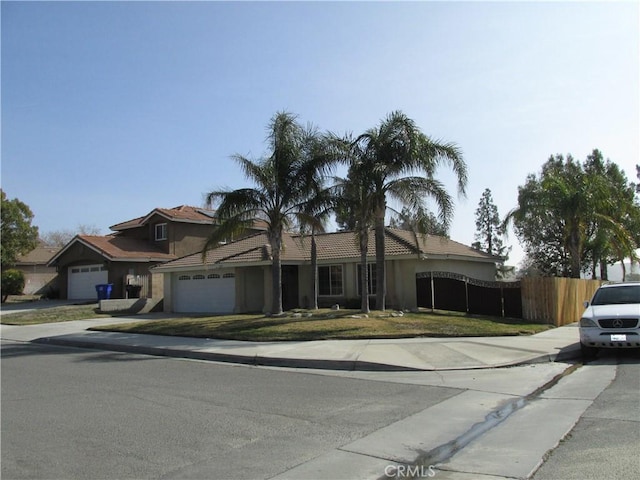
x: 119, y: 248
x: 331, y: 246
x: 122, y: 248
x: 182, y: 213
x: 439, y: 246
x: 252, y: 249
x: 136, y: 222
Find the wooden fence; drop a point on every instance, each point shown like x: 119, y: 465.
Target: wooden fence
x: 558, y: 301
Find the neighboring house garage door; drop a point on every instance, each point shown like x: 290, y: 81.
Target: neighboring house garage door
x: 83, y: 280
x: 202, y: 292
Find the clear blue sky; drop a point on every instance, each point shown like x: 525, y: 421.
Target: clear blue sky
x: 110, y: 109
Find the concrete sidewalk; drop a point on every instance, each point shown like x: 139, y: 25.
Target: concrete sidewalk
x: 413, y: 354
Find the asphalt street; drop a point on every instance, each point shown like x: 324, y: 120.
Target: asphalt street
x: 76, y: 414
x: 70, y: 413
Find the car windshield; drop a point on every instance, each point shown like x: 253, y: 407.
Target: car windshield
x: 617, y: 295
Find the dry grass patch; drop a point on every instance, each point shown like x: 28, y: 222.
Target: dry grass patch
x: 328, y: 324
x: 64, y: 313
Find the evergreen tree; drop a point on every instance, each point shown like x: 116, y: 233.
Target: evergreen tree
x: 489, y: 232
x: 488, y: 228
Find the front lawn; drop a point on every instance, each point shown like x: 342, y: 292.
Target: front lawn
x: 328, y: 324
x: 65, y: 313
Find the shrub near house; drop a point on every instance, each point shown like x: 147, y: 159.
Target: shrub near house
x: 12, y: 283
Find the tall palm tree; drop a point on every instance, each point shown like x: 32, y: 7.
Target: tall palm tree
x: 402, y: 162
x: 285, y: 182
x: 313, y: 219
x: 353, y: 206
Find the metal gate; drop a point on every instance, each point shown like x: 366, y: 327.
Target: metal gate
x: 459, y: 293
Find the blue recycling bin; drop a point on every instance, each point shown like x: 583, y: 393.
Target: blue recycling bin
x: 104, y: 291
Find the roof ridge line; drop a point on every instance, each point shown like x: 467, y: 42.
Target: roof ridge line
x: 237, y: 254
x: 416, y: 248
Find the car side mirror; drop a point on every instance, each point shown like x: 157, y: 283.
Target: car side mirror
x: 586, y: 304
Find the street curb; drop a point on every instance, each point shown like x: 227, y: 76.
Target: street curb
x: 320, y: 364
x: 255, y: 360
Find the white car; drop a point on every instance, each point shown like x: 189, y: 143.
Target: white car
x: 612, y: 319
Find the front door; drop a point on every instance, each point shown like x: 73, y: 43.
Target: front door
x: 290, y: 287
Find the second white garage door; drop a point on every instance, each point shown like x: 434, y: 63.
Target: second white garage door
x: 203, y: 292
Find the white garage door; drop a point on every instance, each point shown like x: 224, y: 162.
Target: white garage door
x: 82, y: 281
x: 203, y: 292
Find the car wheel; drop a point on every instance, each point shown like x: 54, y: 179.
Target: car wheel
x: 588, y: 353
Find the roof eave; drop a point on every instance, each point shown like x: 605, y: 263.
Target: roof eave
x: 448, y: 256
x: 208, y: 266
x: 140, y: 259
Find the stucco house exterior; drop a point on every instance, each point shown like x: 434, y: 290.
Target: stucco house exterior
x: 236, y: 277
x: 124, y: 258
x: 40, y: 279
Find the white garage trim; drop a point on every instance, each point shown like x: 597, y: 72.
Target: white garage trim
x: 82, y: 281
x: 203, y: 292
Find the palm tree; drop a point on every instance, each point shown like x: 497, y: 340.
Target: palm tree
x: 354, y: 200
x: 402, y: 162
x: 285, y: 182
x: 313, y: 219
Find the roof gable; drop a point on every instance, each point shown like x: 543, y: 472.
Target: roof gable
x: 117, y: 248
x: 182, y: 213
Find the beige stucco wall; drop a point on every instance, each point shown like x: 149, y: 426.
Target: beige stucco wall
x: 249, y: 292
x: 167, y: 304
x: 401, y: 282
x: 186, y: 238
x: 39, y: 279
x: 253, y: 284
x: 157, y: 286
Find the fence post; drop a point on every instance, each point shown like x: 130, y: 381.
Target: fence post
x: 433, y: 294
x: 466, y: 293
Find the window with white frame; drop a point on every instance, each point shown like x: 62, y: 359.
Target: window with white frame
x: 161, y: 231
x: 330, y: 280
x: 371, y: 278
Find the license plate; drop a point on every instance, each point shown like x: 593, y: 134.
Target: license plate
x: 618, y: 338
